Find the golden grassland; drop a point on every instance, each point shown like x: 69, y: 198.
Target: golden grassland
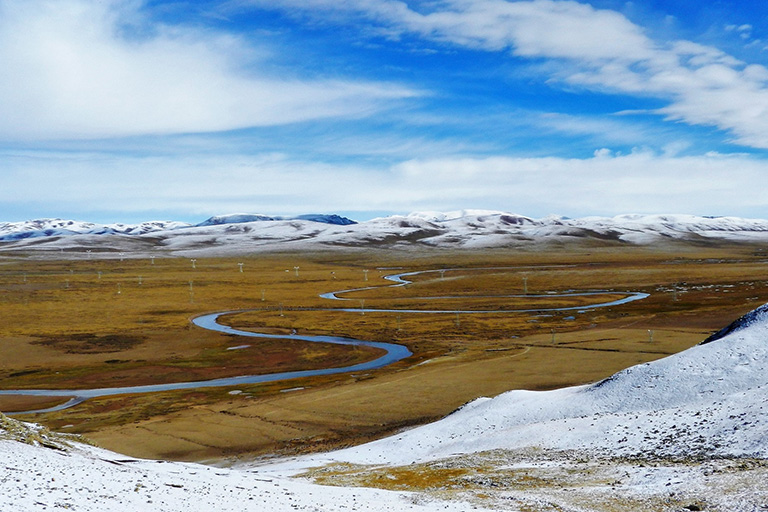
x: 98, y: 322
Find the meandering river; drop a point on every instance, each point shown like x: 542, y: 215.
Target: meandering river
x: 393, y: 352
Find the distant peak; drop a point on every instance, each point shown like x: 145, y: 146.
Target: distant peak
x: 237, y: 218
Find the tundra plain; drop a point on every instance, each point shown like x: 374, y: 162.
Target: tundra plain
x: 106, y: 320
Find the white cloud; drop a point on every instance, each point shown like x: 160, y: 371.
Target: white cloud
x: 605, y: 129
x: 604, y: 184
x: 596, y: 49
x: 206, y: 184
x: 84, y: 68
x: 538, y: 28
x: 603, y: 153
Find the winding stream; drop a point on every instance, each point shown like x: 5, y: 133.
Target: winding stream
x: 393, y: 353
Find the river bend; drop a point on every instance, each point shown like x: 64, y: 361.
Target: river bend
x: 393, y: 352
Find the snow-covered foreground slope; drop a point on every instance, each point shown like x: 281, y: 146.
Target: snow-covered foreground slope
x: 710, y: 400
x: 87, y: 479
x: 690, y: 430
x: 667, y: 429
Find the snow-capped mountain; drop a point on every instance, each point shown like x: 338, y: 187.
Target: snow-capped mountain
x: 461, y: 229
x: 688, y: 432
x: 238, y: 218
x: 38, y: 228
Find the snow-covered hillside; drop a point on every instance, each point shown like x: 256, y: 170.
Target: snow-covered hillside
x: 709, y: 401
x: 688, y: 432
x: 87, y: 479
x: 58, y: 227
x: 237, y: 233
x: 39, y: 228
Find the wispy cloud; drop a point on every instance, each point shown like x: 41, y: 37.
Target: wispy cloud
x: 204, y: 184
x: 596, y: 49
x: 607, y: 183
x: 231, y: 110
x: 87, y: 69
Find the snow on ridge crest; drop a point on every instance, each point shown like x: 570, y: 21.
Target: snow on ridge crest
x: 238, y: 218
x: 684, y: 222
x: 461, y: 228
x: 454, y: 215
x: 759, y: 315
x: 62, y: 227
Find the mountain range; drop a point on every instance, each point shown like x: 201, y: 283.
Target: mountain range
x: 461, y: 229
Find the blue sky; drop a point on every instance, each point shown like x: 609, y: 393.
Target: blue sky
x: 129, y: 110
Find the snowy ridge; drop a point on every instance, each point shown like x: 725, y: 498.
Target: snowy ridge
x: 458, y: 229
x: 38, y: 228
x: 237, y: 218
x: 10, y: 231
x: 710, y: 400
x: 755, y: 316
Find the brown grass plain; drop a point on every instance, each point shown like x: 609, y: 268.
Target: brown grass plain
x: 75, y: 323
